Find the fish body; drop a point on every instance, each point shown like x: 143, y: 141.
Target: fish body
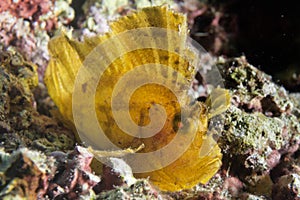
x: 182, y: 117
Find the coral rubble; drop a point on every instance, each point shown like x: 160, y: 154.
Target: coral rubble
x: 39, y: 159
x: 31, y: 174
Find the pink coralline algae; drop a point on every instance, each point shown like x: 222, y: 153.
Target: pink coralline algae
x: 34, y: 175
x: 27, y: 9
x: 26, y: 25
x: 73, y: 175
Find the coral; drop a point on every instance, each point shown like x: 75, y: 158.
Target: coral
x: 26, y: 9
x: 26, y: 29
x: 73, y: 176
x: 219, y: 187
x: 21, y: 125
x: 118, y: 182
x: 17, y: 33
x: 97, y: 14
x: 289, y: 163
x: 295, y: 97
x: 139, y: 190
x: 260, y: 125
x: 267, y: 133
x: 62, y: 12
x: 31, y: 174
x: 255, y: 90
x: 43, y: 14
x: 118, y: 174
x: 173, y: 4
x: 208, y: 30
x: 24, y: 173
x: 287, y: 187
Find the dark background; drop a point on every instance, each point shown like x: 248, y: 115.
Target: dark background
x: 268, y: 33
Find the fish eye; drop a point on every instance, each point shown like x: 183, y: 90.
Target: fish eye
x: 180, y: 122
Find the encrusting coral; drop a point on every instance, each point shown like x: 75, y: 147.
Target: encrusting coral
x: 27, y: 25
x: 21, y: 125
x: 260, y: 126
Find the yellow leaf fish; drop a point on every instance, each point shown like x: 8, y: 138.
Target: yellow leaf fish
x: 181, y: 115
